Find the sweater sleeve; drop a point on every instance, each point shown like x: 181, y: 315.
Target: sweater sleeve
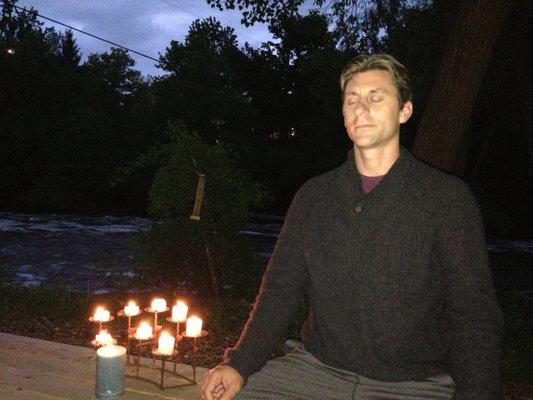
x: 474, y: 319
x: 280, y: 294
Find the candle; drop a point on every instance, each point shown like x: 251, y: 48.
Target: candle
x: 101, y: 315
x: 165, y: 344
x: 179, y: 312
x: 143, y: 331
x: 194, y: 327
x: 110, y: 362
x: 159, y: 305
x: 103, y: 338
x: 131, y: 309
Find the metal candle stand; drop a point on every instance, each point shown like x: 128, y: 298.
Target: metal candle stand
x: 96, y: 344
x: 164, y: 358
x: 132, y: 342
x: 178, y: 335
x: 130, y: 330
x: 152, y: 311
x: 101, y: 323
x: 140, y: 343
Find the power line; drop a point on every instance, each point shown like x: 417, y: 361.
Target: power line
x: 181, y: 8
x: 196, y: 15
x: 85, y: 33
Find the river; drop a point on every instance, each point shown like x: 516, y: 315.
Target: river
x: 96, y: 253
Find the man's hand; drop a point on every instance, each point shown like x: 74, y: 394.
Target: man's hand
x: 221, y: 383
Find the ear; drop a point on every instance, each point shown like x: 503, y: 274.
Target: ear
x: 406, y: 112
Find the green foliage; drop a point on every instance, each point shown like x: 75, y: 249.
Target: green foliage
x: 70, y: 133
x: 70, y: 50
x: 204, y: 87
x: 65, y: 127
x: 259, y: 11
x: 362, y: 25
x: 207, y: 255
x: 27, y: 303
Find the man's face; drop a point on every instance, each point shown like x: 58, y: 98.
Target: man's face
x: 372, y: 114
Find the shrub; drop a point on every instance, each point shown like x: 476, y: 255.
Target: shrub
x: 206, y: 255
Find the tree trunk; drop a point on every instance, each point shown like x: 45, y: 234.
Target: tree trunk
x: 521, y: 62
x: 442, y: 136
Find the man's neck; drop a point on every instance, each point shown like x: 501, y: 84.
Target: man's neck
x: 377, y: 161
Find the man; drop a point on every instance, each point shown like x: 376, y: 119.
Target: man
x: 391, y: 255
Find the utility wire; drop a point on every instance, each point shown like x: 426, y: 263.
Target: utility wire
x: 181, y: 8
x: 85, y: 33
x: 196, y: 15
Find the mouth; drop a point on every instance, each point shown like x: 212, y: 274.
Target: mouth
x: 363, y: 126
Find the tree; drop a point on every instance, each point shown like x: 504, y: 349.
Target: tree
x: 204, y: 88
x: 364, y: 25
x: 442, y: 134
x: 115, y: 68
x: 64, y: 128
x: 69, y: 49
x: 300, y: 131
x: 207, y: 254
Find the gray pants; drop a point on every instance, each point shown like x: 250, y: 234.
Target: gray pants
x: 300, y: 376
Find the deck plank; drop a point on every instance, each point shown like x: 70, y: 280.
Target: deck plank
x: 43, y: 370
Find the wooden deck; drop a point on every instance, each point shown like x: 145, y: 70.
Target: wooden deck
x: 34, y: 369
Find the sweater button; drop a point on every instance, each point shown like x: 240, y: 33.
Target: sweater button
x: 357, y: 208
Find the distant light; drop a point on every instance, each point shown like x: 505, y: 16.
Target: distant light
x: 10, y: 51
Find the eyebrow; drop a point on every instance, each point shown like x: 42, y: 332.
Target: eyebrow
x: 375, y: 90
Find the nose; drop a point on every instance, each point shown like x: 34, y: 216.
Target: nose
x: 361, y: 107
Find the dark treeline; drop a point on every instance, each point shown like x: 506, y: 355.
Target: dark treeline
x: 67, y: 127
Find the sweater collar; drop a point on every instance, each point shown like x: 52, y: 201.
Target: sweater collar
x: 391, y: 182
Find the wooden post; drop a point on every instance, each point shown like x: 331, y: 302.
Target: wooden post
x: 200, y: 189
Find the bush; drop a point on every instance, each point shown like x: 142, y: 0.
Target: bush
x: 207, y: 255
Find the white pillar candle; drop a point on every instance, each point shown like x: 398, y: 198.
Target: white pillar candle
x: 110, y: 362
x: 194, y: 327
x: 131, y: 309
x: 143, y: 331
x: 101, y: 315
x: 159, y: 305
x: 104, y: 338
x: 165, y: 343
x: 179, y: 312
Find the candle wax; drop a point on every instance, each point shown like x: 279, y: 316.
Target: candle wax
x: 194, y: 327
x: 179, y: 312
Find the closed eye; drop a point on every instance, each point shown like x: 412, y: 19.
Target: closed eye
x: 352, y: 100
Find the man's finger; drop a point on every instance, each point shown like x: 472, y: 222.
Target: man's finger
x: 219, y: 390
x: 231, y: 391
x: 210, y: 383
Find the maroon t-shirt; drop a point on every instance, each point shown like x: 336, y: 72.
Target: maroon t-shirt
x: 370, y: 182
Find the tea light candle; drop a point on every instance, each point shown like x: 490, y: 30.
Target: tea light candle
x: 194, y: 327
x: 159, y: 305
x: 143, y: 331
x: 104, y: 338
x: 179, y: 312
x: 101, y: 315
x: 131, y: 309
x: 165, y: 344
x: 110, y: 362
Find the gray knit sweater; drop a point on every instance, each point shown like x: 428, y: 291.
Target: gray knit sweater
x: 397, y: 280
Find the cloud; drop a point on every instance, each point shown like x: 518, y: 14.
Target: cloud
x: 173, y: 23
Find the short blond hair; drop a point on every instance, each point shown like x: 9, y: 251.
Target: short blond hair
x: 384, y: 62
